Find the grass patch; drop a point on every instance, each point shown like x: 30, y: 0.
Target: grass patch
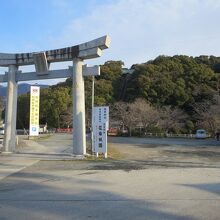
x: 113, y: 154
x: 40, y: 137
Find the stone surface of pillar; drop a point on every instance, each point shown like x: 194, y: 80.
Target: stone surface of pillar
x: 11, y: 111
x: 79, y: 130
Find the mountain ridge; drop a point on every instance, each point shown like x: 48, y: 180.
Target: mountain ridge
x: 23, y: 88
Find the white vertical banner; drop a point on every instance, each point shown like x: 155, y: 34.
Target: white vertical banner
x: 100, y: 127
x: 34, y: 110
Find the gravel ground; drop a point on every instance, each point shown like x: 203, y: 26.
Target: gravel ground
x: 130, y: 153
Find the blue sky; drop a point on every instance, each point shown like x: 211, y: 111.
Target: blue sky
x: 140, y: 29
x: 30, y: 24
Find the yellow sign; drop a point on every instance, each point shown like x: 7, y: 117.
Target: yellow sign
x: 34, y: 110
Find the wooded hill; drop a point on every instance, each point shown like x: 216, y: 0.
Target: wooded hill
x: 183, y: 83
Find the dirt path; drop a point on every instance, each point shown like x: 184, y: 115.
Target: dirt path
x: 170, y: 154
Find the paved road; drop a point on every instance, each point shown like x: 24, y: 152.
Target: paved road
x: 29, y: 152
x: 10, y: 164
x: 55, y: 144
x: 88, y: 189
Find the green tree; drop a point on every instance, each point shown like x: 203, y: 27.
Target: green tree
x: 54, y: 103
x: 23, y: 111
x: 107, y: 84
x: 178, y: 81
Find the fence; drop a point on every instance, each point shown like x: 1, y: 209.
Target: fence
x: 64, y: 130
x: 169, y: 135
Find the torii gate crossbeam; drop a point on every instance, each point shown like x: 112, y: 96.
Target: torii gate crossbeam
x: 42, y: 60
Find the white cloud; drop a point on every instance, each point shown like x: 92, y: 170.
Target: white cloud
x: 143, y: 29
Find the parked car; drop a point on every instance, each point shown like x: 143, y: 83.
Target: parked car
x: 112, y: 132
x: 201, y: 134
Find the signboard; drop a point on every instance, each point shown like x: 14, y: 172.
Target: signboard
x: 34, y: 110
x: 100, y: 127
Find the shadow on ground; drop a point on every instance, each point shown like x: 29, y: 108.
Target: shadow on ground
x: 28, y: 195
x: 209, y: 187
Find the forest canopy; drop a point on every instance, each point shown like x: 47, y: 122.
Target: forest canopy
x: 180, y: 82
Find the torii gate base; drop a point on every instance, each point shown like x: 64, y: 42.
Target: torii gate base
x: 41, y: 61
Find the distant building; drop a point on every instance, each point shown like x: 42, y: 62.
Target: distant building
x: 43, y: 128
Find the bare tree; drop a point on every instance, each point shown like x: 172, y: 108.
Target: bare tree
x: 123, y: 112
x: 146, y: 114
x: 137, y: 113
x: 171, y: 118
x: 211, y: 119
x: 67, y: 118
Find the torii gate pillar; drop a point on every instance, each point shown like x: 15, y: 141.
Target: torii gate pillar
x: 79, y: 132
x: 11, y: 111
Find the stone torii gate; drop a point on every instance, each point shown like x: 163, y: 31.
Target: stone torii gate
x: 42, y: 60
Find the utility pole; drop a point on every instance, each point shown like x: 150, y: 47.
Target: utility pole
x: 92, y: 115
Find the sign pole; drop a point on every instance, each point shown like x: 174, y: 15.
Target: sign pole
x: 34, y: 110
x: 100, y: 128
x: 92, y: 115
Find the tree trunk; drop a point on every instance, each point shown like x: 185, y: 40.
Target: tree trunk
x: 130, y: 131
